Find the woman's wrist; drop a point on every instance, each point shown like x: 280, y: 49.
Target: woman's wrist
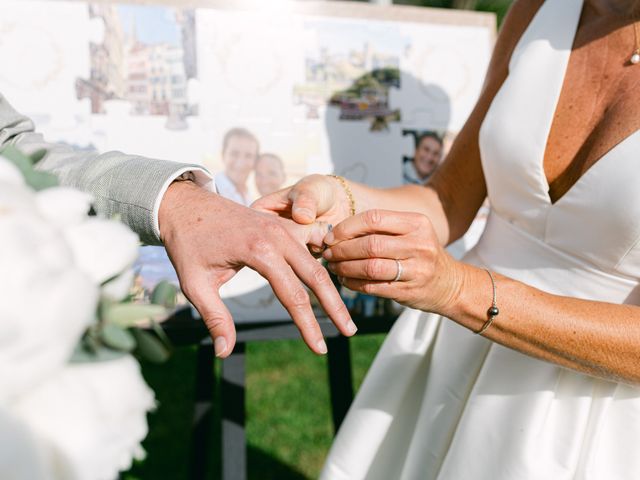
x: 345, y: 196
x: 474, y: 298
x: 351, y: 203
x: 452, y: 294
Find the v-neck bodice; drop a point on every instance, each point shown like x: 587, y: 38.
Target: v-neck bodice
x: 598, y: 218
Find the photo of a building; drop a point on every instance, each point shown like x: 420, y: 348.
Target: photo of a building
x: 146, y: 58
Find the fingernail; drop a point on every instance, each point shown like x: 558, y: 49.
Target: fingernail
x: 220, y: 346
x: 351, y: 327
x: 329, y: 238
x: 322, y: 347
x: 327, y: 254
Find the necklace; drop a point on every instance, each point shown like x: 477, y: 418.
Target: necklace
x: 635, y: 57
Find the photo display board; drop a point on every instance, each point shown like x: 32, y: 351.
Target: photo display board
x: 259, y: 92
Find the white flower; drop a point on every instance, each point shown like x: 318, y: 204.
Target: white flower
x: 118, y: 288
x: 16, y: 199
x: 102, y: 248
x: 91, y: 417
x: 63, y: 206
x: 47, y: 302
x: 21, y: 454
x: 9, y: 173
x: 61, y: 421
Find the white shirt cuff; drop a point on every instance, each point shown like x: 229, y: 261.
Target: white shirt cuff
x: 199, y: 176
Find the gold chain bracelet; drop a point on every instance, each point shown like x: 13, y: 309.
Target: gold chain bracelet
x: 347, y: 190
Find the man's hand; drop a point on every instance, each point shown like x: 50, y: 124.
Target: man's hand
x: 209, y: 239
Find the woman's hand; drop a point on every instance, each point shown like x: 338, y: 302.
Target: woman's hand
x: 364, y: 248
x: 313, y: 198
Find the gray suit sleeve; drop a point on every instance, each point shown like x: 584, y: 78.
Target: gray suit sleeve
x: 127, y: 185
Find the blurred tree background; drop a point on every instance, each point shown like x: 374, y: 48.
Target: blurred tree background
x: 499, y: 7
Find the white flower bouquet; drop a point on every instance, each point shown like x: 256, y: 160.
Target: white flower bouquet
x: 73, y: 402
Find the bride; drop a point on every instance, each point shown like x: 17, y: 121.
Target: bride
x: 519, y: 361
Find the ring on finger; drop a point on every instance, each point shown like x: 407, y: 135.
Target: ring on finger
x: 399, y: 271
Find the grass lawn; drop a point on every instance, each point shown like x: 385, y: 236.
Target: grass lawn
x: 289, y: 426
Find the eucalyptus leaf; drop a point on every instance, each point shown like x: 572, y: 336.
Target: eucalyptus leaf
x: 19, y: 159
x: 131, y: 314
x: 37, y: 156
x: 162, y: 336
x: 165, y: 294
x: 102, y: 354
x: 118, y: 338
x: 35, y: 179
x: 91, y: 339
x: 40, y: 180
x: 149, y: 347
x: 103, y: 307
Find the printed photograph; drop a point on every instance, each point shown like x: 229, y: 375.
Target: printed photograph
x: 146, y: 58
x: 428, y: 152
x: 247, y: 171
x: 353, y: 66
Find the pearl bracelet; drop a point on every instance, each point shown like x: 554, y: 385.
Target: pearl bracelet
x: 493, y: 311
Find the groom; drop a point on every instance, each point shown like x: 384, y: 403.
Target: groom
x: 207, y: 237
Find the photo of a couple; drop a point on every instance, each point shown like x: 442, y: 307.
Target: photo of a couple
x: 241, y: 157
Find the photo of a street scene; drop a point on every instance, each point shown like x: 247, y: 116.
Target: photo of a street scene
x: 352, y: 67
x: 146, y: 58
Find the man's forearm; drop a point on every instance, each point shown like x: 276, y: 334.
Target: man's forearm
x: 127, y: 185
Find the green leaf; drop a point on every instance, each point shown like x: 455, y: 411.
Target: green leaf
x: 37, y: 156
x: 118, y: 338
x: 131, y: 314
x: 149, y: 347
x: 101, y: 354
x: 162, y: 336
x: 91, y: 339
x: 40, y: 180
x: 165, y: 294
x: 18, y: 158
x: 35, y: 179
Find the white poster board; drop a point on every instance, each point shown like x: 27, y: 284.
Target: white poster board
x: 324, y: 86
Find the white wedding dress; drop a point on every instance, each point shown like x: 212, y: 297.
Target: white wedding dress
x: 442, y: 403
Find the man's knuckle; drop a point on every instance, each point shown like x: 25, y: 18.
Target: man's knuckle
x: 274, y: 230
x: 260, y: 247
x: 299, y: 298
x: 320, y: 275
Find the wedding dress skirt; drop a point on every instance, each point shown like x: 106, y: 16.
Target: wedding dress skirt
x: 442, y: 403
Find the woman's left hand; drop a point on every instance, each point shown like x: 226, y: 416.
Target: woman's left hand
x: 367, y: 252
